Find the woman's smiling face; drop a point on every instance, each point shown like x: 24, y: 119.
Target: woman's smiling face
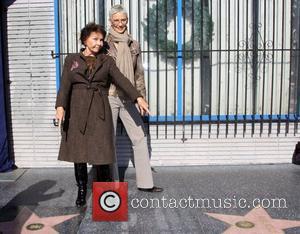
x: 93, y: 43
x: 119, y: 22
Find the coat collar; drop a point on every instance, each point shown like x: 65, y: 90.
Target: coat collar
x: 82, y: 70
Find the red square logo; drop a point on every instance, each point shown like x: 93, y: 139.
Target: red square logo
x: 110, y: 201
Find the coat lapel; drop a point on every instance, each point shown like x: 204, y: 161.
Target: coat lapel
x: 81, y: 69
x: 99, y: 63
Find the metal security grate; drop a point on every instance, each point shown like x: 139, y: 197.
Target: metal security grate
x: 209, y: 62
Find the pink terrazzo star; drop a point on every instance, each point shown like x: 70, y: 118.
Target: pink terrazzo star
x: 28, y: 222
x: 257, y: 221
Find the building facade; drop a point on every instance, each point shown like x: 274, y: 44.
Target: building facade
x: 222, y: 77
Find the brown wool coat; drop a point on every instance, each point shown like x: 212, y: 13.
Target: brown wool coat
x: 87, y: 133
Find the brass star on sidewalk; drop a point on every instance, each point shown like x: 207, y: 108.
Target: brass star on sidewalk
x: 254, y: 222
x: 28, y: 222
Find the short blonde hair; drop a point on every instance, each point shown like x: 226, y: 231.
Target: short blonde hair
x: 117, y: 9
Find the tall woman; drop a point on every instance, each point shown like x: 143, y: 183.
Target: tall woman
x: 83, y: 108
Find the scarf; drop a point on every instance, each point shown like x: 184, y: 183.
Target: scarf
x: 123, y: 59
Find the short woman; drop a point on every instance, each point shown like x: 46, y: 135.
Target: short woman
x: 82, y: 105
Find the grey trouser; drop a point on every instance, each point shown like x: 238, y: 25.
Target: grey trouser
x: 134, y: 126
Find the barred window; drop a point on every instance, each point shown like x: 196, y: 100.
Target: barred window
x: 207, y: 60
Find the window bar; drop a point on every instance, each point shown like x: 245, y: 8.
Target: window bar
x: 290, y: 72
x: 183, y: 72
x: 157, y: 71
x: 67, y: 27
x: 130, y: 16
x: 76, y: 22
x: 210, y: 96
x: 246, y: 70
x: 166, y: 70
x: 57, y: 26
x: 255, y: 10
x: 140, y: 44
x: 237, y: 74
x: 84, y: 7
x: 297, y: 88
x: 232, y: 50
x: 281, y: 74
x: 94, y: 13
x: 148, y: 52
x: 103, y: 7
x: 192, y: 69
x: 175, y: 65
x: 139, y: 22
x: 264, y: 70
x: 201, y: 68
x: 228, y: 71
x: 220, y: 68
x: 272, y: 82
x: 179, y: 62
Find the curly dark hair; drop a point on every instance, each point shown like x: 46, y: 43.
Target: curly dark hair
x: 90, y: 28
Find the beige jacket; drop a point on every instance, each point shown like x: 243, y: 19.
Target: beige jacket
x: 137, y: 65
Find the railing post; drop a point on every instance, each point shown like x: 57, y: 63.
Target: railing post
x: 255, y: 12
x: 57, y: 42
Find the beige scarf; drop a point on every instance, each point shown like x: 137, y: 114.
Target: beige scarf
x: 123, y: 59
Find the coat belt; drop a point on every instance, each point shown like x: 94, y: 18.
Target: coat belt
x: 96, y: 92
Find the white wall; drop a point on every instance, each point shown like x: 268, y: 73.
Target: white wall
x: 33, y: 82
x: 231, y: 150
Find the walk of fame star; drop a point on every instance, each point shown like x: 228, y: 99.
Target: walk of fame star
x: 28, y: 222
x: 254, y: 222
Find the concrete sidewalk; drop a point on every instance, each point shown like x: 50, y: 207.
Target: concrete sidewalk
x: 209, y: 199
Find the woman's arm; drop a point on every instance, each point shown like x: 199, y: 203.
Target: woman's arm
x: 121, y: 81
x: 64, y: 92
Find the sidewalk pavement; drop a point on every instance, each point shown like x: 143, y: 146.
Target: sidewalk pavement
x: 209, y: 199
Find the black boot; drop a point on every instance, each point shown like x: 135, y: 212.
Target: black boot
x: 81, y: 179
x: 103, y: 173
